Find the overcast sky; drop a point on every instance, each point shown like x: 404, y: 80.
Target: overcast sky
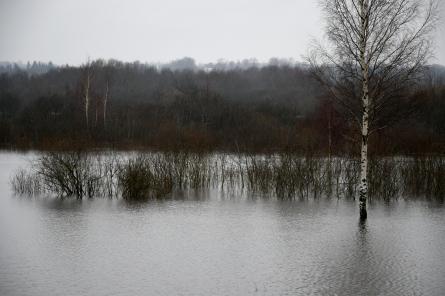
x: 71, y: 31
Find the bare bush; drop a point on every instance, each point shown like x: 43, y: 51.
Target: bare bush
x: 286, y: 176
x: 26, y: 183
x: 69, y: 174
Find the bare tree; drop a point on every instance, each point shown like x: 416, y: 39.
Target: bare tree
x: 105, y: 101
x: 375, y: 52
x: 108, y: 77
x: 86, y: 89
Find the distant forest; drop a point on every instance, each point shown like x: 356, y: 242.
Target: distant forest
x: 237, y: 107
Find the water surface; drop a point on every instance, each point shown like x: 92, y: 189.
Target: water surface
x: 216, y: 245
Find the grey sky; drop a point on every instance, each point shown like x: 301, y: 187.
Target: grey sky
x: 70, y: 31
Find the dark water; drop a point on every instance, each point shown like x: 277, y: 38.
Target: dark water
x: 216, y: 247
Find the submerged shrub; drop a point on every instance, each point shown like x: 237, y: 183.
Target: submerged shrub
x: 289, y: 176
x: 109, y: 166
x: 424, y: 177
x: 259, y: 173
x: 286, y: 176
x: 157, y: 175
x: 136, y: 180
x: 384, y: 178
x: 69, y: 174
x: 26, y: 183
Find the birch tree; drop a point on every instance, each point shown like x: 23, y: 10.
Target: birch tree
x: 108, y: 80
x: 105, y: 102
x: 374, y: 53
x: 86, y: 90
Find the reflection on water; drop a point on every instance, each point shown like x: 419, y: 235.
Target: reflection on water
x: 217, y: 245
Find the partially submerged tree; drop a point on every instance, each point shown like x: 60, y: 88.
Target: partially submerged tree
x: 376, y: 51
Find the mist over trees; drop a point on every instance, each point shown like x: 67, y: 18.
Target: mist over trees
x: 244, y: 106
x: 186, y: 63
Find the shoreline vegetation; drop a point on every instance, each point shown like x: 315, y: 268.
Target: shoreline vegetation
x: 157, y: 175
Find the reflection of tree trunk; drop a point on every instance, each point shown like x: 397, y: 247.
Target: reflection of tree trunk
x: 105, y: 105
x: 365, y: 113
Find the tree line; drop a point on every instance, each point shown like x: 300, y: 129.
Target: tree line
x: 272, y: 108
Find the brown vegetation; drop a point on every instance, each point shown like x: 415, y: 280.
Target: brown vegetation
x: 270, y: 109
x: 146, y: 176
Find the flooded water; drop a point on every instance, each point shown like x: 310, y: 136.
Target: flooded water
x: 216, y: 246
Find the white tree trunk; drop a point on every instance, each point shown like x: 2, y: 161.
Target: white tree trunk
x: 365, y: 113
x: 330, y: 132
x: 96, y: 117
x: 364, y: 161
x: 87, y: 99
x: 105, y: 105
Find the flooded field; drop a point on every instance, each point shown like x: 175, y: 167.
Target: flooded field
x: 215, y: 242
